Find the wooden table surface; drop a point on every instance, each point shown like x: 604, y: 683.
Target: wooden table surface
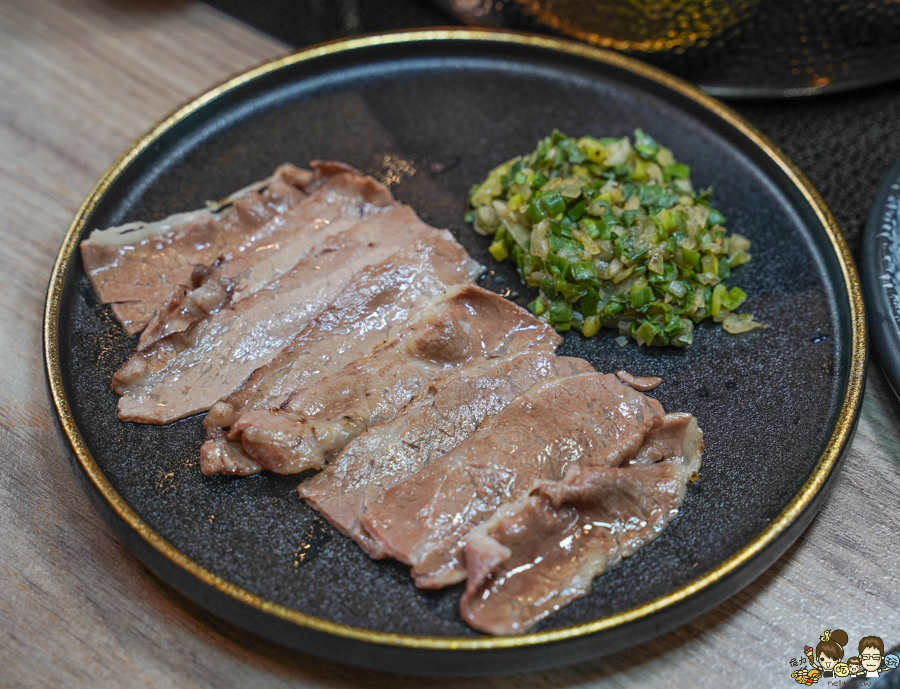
x: 79, y: 80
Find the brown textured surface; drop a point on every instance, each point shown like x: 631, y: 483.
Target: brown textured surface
x: 83, y: 78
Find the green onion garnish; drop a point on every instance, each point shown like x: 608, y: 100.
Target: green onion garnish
x: 613, y: 235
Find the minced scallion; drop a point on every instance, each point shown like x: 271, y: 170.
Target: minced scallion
x: 613, y: 235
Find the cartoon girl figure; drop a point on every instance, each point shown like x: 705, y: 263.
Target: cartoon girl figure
x: 830, y: 651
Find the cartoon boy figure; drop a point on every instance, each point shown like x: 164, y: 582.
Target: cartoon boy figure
x: 853, y: 666
x: 871, y: 651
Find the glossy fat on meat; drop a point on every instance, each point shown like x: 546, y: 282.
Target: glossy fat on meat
x: 336, y: 202
x: 388, y: 454
x: 188, y: 372
x: 590, y: 418
x: 139, y: 266
x: 373, y: 309
x: 465, y: 325
x: 134, y: 316
x: 543, y: 551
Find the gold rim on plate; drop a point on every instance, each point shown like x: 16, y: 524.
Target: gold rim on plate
x: 826, y: 464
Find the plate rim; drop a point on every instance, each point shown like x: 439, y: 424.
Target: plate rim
x: 883, y: 318
x: 804, y: 498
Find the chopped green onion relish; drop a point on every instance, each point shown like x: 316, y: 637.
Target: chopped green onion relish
x: 613, y: 235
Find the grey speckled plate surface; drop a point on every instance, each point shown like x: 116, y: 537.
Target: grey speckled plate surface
x: 431, y: 113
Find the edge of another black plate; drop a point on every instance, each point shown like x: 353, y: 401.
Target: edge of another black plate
x: 884, y: 317
x: 468, y: 655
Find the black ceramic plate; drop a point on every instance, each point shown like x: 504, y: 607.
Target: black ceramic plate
x: 431, y: 113
x: 881, y: 275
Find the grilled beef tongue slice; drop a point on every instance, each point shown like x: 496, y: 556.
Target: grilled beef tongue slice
x: 338, y: 202
x: 138, y: 267
x: 187, y: 372
x: 542, y: 551
x: 586, y: 419
x: 388, y: 454
x: 464, y: 326
x: 374, y: 308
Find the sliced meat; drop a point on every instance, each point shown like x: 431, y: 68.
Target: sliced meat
x: 590, y: 418
x: 644, y: 384
x: 135, y: 315
x: 142, y: 264
x: 337, y: 202
x: 188, y: 372
x: 541, y: 552
x: 375, y: 308
x: 466, y: 325
x: 138, y: 267
x: 388, y: 454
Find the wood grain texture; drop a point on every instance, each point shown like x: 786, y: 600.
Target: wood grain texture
x: 81, y: 79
